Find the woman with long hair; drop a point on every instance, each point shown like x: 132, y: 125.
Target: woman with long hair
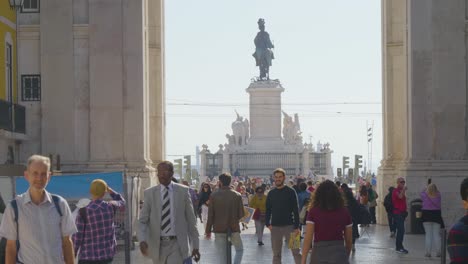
x: 329, y: 223
x: 205, y: 194
x: 432, y: 218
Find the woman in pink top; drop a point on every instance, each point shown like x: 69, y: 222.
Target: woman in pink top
x: 329, y: 224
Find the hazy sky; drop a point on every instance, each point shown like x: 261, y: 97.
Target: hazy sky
x: 328, y: 59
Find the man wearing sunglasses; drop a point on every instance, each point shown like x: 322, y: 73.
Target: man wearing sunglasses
x: 400, y: 213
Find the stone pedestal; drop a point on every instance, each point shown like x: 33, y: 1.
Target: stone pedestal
x: 265, y: 114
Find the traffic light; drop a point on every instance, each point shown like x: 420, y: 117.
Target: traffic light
x: 178, y: 166
x: 187, y: 162
x: 357, y: 161
x: 339, y: 173
x: 345, y: 163
x: 188, y: 168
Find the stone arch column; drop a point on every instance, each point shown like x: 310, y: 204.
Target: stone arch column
x: 424, y: 99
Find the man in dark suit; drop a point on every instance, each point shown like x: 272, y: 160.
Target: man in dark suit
x: 167, y: 223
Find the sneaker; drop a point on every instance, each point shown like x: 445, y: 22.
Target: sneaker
x: 438, y: 255
x: 428, y: 255
x: 392, y: 234
x: 402, y: 251
x: 260, y: 243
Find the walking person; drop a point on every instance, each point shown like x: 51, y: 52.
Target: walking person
x: 389, y: 209
x: 432, y: 218
x: 457, y: 243
x: 167, y: 223
x: 373, y: 196
x: 203, y: 203
x: 38, y: 216
x: 400, y: 213
x: 329, y: 224
x: 353, y: 208
x: 258, y: 202
x: 282, y: 216
x: 95, y: 240
x: 224, y: 213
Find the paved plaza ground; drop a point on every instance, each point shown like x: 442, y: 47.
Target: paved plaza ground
x: 374, y: 247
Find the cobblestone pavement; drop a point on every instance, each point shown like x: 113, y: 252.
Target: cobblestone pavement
x: 375, y: 246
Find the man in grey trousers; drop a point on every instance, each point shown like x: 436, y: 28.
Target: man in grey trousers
x: 282, y: 216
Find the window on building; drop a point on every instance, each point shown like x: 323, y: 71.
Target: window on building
x: 31, y: 87
x: 9, y: 72
x: 30, y: 6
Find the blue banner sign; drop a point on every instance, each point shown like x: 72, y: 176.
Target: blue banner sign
x: 75, y: 186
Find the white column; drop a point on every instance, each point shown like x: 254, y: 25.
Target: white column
x: 203, y: 163
x: 305, y: 160
x: 226, y: 160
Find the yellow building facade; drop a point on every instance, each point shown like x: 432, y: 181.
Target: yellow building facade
x: 8, y: 61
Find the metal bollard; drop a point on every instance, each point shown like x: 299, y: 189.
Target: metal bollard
x: 443, y: 245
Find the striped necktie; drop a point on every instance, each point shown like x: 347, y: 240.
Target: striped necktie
x: 166, y: 212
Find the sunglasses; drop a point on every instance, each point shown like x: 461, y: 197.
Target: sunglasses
x: 402, y: 182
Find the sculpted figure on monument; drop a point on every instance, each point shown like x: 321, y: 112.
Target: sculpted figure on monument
x: 263, y: 54
x: 246, y: 131
x: 291, y: 129
x: 238, y: 130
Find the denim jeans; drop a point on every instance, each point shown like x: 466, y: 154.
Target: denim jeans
x: 391, y: 222
x: 259, y: 227
x: 220, y: 244
x: 400, y: 230
x: 432, y: 230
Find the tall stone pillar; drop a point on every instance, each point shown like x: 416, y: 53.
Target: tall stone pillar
x: 58, y: 120
x: 265, y: 112
x: 425, y: 99
x: 226, y: 159
x: 155, y: 79
x: 203, y: 163
x: 305, y: 160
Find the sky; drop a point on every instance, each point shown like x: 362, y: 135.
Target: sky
x: 328, y: 59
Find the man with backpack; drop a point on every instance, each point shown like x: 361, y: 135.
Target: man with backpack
x: 38, y: 225
x: 389, y: 208
x: 95, y: 239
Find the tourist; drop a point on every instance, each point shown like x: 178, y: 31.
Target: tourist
x: 258, y: 202
x: 432, y: 218
x: 282, y: 216
x: 400, y: 213
x: 40, y: 216
x: 329, y: 224
x: 203, y: 202
x: 389, y: 208
x: 224, y: 213
x: 458, y: 235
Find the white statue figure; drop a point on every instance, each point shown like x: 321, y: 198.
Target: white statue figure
x: 291, y: 129
x: 297, y: 129
x: 231, y: 140
x: 246, y: 131
x: 238, y: 130
x: 319, y: 146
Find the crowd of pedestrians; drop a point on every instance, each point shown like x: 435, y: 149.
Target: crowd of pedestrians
x: 38, y: 227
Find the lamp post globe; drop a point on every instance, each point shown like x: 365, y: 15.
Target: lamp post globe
x: 16, y: 3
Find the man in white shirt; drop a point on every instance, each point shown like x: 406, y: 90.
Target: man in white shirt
x: 43, y: 227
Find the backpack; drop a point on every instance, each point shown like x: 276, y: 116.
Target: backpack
x: 14, y: 205
x: 388, y: 204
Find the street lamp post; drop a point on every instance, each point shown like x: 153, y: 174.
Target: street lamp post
x: 15, y: 4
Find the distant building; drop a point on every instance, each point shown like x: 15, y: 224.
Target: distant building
x: 12, y: 115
